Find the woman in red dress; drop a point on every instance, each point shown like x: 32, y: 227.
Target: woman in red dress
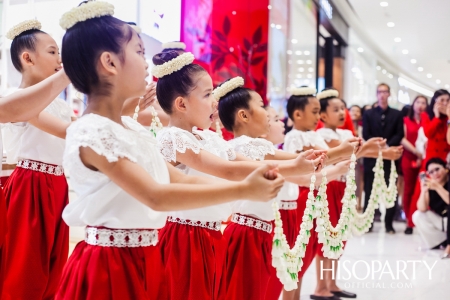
x: 411, y: 159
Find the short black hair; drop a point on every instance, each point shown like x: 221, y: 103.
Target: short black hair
x: 177, y: 84
x: 229, y: 104
x: 24, y: 41
x: 82, y: 46
x: 324, y: 102
x: 437, y: 161
x: 296, y: 103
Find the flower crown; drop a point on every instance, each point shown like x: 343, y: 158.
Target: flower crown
x: 327, y: 94
x: 86, y: 11
x: 303, y: 91
x: 174, y: 45
x: 22, y: 27
x: 227, y: 87
x: 173, y: 65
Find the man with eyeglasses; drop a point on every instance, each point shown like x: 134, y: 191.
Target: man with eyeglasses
x: 386, y: 122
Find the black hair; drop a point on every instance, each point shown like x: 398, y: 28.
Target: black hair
x: 411, y: 109
x: 324, y: 102
x: 354, y: 105
x: 436, y: 95
x: 24, y: 41
x: 437, y: 161
x: 177, y: 84
x: 229, y: 104
x: 82, y: 46
x: 385, y: 85
x: 297, y: 103
x: 406, y: 110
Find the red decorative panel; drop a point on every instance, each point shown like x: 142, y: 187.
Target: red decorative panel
x: 229, y: 38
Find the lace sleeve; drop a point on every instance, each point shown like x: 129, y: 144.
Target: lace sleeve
x: 60, y: 109
x: 345, y: 134
x: 215, y: 144
x: 328, y: 134
x: 172, y: 140
x: 256, y: 149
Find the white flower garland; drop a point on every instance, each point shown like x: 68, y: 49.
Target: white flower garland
x: 327, y: 94
x: 361, y: 222
x: 86, y: 11
x: 174, y: 45
x: 173, y: 65
x: 303, y: 91
x: 288, y: 262
x: 227, y: 87
x: 389, y: 193
x: 22, y: 27
x: 330, y: 237
x: 156, y: 125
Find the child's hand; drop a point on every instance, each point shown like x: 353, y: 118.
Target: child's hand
x: 263, y: 184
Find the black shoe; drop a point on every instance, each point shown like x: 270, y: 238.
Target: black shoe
x: 390, y: 230
x: 344, y: 294
x: 408, y: 230
x: 440, y: 246
x: 314, y: 297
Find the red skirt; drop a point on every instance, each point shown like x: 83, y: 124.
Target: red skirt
x: 291, y: 229
x: 248, y: 263
x: 3, y: 223
x: 37, y: 241
x: 335, y: 192
x: 193, y: 257
x: 112, y: 273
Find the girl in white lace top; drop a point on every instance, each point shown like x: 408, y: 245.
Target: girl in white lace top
x: 116, y: 170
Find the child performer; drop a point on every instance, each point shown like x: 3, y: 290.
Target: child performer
x: 249, y: 236
x: 117, y: 171
x: 36, y: 192
x: 184, y: 91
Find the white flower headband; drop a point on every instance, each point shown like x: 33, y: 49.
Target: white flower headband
x: 22, y: 27
x: 136, y: 28
x: 174, y: 45
x: 303, y: 91
x: 227, y: 87
x: 327, y: 94
x: 173, y: 65
x: 86, y: 11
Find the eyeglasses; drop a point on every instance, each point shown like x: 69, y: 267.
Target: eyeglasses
x: 435, y: 170
x: 383, y: 92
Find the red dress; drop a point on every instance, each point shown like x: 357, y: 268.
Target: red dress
x: 410, y: 170
x: 436, y: 132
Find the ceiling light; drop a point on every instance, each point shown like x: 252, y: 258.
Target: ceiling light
x: 384, y: 4
x: 447, y: 86
x: 310, y: 69
x: 301, y: 69
x: 405, y: 51
x: 272, y: 25
x: 397, y: 40
x: 298, y: 52
x: 413, y: 61
x: 378, y: 68
x: 289, y: 52
x: 306, y: 53
x: 309, y: 76
x: 278, y: 27
x: 390, y: 24
x: 269, y: 7
x: 391, y: 76
x: 384, y: 71
x: 294, y: 41
x: 300, y: 62
x: 429, y: 75
x: 354, y: 69
x: 299, y: 75
x: 360, y: 49
x: 420, y: 69
x: 309, y: 62
x: 438, y: 81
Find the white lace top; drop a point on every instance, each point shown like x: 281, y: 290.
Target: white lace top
x: 255, y: 149
x: 340, y: 134
x: 100, y: 201
x: 24, y: 141
x: 173, y: 140
x: 295, y: 140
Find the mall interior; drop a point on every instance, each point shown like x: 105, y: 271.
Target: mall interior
x: 366, y: 52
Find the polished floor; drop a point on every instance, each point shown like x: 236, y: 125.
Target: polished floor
x: 388, y: 272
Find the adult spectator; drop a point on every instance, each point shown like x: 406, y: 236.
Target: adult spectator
x: 386, y: 122
x: 431, y: 217
x: 412, y: 158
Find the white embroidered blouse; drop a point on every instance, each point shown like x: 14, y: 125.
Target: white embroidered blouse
x: 100, y: 201
x: 173, y: 140
x: 24, y: 141
x: 295, y: 140
x: 255, y: 149
x: 340, y: 134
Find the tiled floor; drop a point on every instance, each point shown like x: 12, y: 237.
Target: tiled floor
x: 389, y: 260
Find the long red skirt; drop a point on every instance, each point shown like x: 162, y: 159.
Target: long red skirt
x: 37, y: 241
x: 193, y: 258
x: 335, y: 192
x: 248, y: 263
x: 3, y: 223
x: 113, y: 273
x: 410, y: 176
x: 291, y: 228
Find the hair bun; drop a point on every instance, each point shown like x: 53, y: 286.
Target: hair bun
x: 163, y: 57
